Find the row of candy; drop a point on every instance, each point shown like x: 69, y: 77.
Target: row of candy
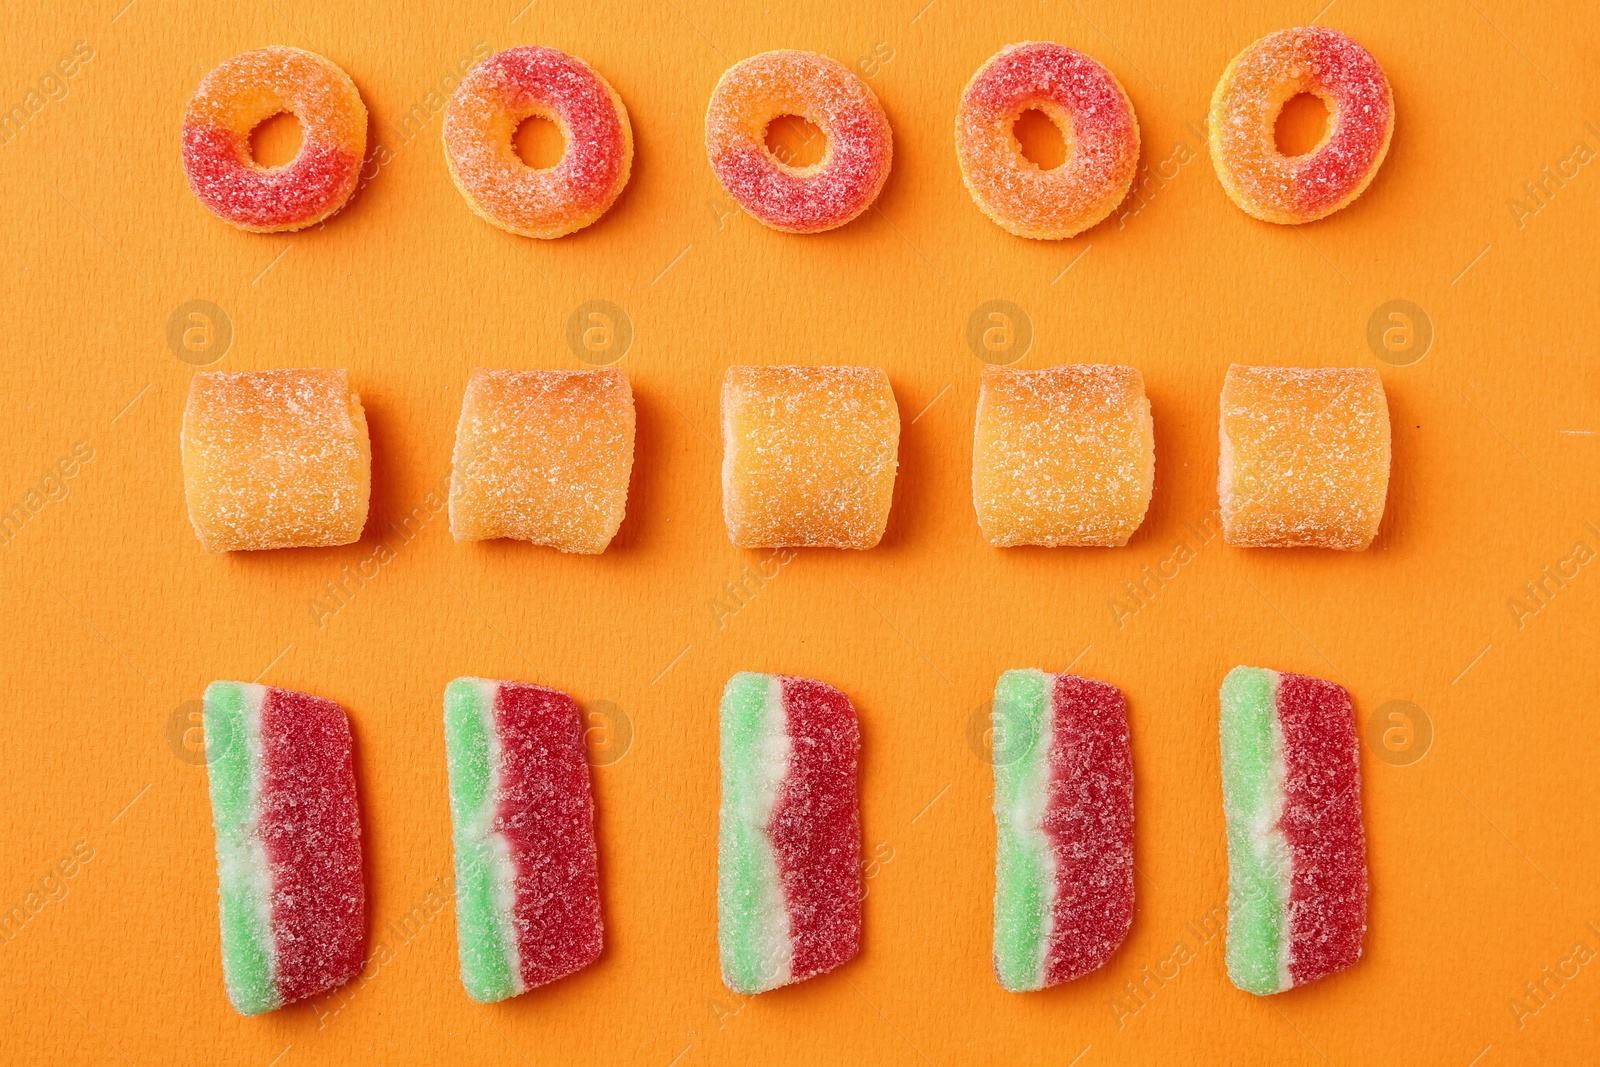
x: 790, y: 880
x: 1084, y: 100
x: 1061, y: 456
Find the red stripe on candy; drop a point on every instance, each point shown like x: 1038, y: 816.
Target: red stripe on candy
x: 532, y: 77
x: 1029, y: 73
x: 1089, y: 822
x: 1363, y: 107
x: 1322, y: 824
x: 546, y: 815
x: 816, y: 827
x: 835, y: 194
x: 311, y: 830
x: 318, y: 175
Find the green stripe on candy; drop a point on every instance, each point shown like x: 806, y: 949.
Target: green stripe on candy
x: 1258, y: 856
x: 1024, y: 870
x: 232, y: 722
x: 752, y: 921
x: 486, y: 967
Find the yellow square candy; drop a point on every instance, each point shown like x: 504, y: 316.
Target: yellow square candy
x: 1305, y: 456
x: 543, y: 456
x: 808, y: 455
x: 1062, y: 456
x: 275, y: 459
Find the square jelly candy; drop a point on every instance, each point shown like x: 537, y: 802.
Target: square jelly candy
x: 543, y: 456
x: 1062, y: 456
x: 1305, y: 457
x: 809, y: 455
x: 275, y: 459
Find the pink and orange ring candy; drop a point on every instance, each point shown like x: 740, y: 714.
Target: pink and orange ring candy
x: 1095, y: 117
x: 248, y: 89
x: 1261, y: 79
x: 527, y: 82
x: 830, y: 192
x: 1082, y: 98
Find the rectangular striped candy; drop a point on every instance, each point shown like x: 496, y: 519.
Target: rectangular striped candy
x: 789, y: 839
x: 527, y: 869
x: 1297, y: 854
x: 283, y: 798
x: 1063, y: 809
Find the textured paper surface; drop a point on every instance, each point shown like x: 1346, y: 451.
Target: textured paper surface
x: 1485, y: 874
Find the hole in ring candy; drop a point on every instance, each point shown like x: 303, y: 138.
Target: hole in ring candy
x: 239, y: 95
x: 275, y: 459
x: 1297, y: 852
x: 494, y: 99
x: 1097, y: 124
x: 1304, y: 457
x: 283, y: 800
x: 830, y: 192
x: 1063, y: 810
x: 1263, y: 181
x: 1062, y: 456
x: 789, y: 882
x: 543, y: 456
x: 809, y: 456
x: 527, y: 870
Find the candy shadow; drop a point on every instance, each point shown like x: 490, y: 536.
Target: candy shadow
x: 646, y: 477
x: 874, y: 739
x: 891, y: 183
x: 364, y: 790
x: 1157, y: 511
x: 607, y: 860
x: 1402, y: 479
x: 382, y: 433
x: 909, y: 507
x: 379, y: 156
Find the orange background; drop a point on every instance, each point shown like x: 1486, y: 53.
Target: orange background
x: 1483, y: 860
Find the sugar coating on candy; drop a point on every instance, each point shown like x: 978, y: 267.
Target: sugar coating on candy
x: 543, y: 456
x: 789, y: 836
x: 1297, y: 875
x: 809, y: 455
x: 275, y: 459
x: 1244, y: 112
x: 1322, y: 827
x: 1063, y: 806
x: 816, y: 827
x: 527, y: 869
x: 240, y: 94
x: 496, y: 97
x: 312, y: 836
x: 491, y: 968
x: 288, y: 844
x: 1259, y: 862
x: 1062, y: 456
x: 1096, y: 120
x: 1304, y: 456
x: 855, y: 162
x: 753, y: 927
